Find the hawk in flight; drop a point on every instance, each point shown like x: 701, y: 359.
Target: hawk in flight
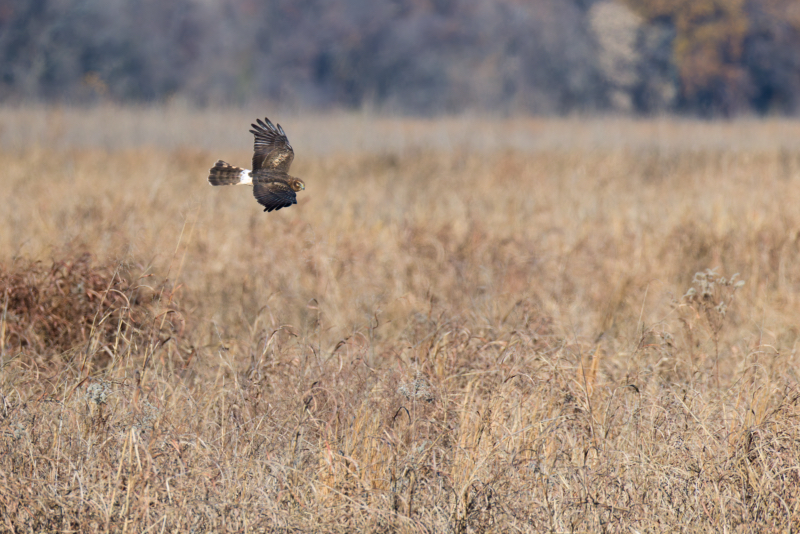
x: 272, y: 186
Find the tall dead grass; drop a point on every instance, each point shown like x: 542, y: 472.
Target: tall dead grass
x: 442, y: 336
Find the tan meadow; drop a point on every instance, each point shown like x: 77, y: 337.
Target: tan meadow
x: 467, y: 324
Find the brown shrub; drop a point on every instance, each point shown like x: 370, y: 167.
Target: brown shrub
x: 77, y: 304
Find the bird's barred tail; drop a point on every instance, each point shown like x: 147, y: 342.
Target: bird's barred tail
x: 225, y: 174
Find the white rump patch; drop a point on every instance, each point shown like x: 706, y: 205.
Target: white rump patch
x: 245, y: 178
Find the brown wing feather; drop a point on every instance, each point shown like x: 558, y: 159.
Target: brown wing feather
x: 274, y: 195
x: 272, y: 149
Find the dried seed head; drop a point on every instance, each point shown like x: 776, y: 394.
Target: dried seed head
x: 97, y: 392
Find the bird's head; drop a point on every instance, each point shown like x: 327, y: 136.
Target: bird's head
x: 297, y: 184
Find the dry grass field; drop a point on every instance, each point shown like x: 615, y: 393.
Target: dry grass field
x: 465, y: 325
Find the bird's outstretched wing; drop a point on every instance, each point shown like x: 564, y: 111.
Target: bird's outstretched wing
x: 274, y: 195
x: 272, y: 149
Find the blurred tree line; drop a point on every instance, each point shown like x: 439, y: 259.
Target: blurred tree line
x: 709, y: 57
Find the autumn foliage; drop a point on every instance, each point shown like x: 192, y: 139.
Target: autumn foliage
x: 706, y: 57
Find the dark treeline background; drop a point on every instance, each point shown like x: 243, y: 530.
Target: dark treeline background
x: 705, y: 57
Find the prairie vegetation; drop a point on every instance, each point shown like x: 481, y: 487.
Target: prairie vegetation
x: 465, y: 325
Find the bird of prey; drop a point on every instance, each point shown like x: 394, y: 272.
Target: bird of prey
x: 272, y: 186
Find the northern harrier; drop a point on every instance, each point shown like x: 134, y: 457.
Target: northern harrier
x: 272, y: 186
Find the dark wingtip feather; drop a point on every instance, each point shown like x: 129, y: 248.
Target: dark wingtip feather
x: 261, y: 127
